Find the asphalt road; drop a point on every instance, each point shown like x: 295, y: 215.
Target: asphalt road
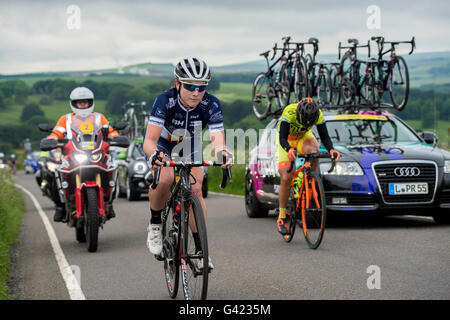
x: 411, y: 255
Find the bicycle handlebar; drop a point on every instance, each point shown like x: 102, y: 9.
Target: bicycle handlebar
x: 315, y: 155
x: 226, y: 173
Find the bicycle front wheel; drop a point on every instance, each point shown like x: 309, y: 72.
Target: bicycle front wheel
x: 262, y: 96
x: 170, y: 251
x: 399, y: 83
x: 194, y: 255
x: 313, y: 210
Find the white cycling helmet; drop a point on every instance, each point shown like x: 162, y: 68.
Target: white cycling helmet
x: 82, y: 93
x: 192, y: 69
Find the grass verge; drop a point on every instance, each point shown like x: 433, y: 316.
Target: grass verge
x: 238, y: 175
x: 12, y: 207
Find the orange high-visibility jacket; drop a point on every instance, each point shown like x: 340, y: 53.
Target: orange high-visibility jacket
x: 97, y: 120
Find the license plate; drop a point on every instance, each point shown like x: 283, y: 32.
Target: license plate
x: 408, y: 188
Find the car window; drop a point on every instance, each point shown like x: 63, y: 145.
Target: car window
x: 363, y: 131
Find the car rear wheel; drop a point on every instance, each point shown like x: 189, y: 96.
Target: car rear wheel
x: 253, y: 206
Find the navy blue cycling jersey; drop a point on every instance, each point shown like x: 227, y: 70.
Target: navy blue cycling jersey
x: 177, y: 121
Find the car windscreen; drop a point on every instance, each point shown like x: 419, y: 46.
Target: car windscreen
x: 369, y: 131
x: 138, y: 152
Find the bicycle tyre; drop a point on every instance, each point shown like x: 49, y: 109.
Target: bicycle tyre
x: 348, y: 88
x: 292, y: 220
x: 194, y: 290
x: 313, y: 210
x: 399, y: 104
x: 324, y: 86
x: 284, y: 93
x: 301, y: 80
x: 171, y: 248
x: 369, y: 89
x: 262, y: 96
x: 335, y: 77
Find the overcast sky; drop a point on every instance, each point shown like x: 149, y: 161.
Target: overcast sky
x: 35, y: 36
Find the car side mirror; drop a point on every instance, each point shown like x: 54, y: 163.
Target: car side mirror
x: 429, y: 138
x: 120, y: 125
x: 44, y: 127
x: 122, y: 156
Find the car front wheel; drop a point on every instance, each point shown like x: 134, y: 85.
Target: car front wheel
x: 253, y: 206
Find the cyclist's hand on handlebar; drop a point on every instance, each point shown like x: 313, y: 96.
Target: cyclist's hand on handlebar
x: 156, y: 159
x: 292, y: 154
x: 335, y: 155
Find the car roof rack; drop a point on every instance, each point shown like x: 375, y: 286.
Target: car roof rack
x: 346, y: 108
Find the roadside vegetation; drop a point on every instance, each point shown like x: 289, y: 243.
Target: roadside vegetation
x: 12, y: 207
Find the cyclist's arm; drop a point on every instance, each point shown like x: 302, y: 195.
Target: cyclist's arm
x: 324, y: 137
x: 152, y: 135
x: 284, y: 133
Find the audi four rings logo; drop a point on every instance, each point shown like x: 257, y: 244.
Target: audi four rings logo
x: 407, y: 171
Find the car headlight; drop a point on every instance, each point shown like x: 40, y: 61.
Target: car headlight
x: 96, y: 157
x: 447, y: 166
x: 140, y: 167
x: 80, y: 157
x: 342, y: 168
x: 51, y: 166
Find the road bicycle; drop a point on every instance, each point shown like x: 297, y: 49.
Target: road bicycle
x: 392, y: 75
x: 267, y: 85
x: 319, y: 76
x: 137, y: 118
x: 184, y: 236
x: 307, y: 205
x: 350, y: 78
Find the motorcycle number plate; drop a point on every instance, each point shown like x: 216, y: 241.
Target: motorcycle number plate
x: 88, y: 145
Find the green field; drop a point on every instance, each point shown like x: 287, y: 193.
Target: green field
x: 442, y: 131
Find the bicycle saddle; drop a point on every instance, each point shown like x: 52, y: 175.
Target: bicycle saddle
x: 313, y: 40
x: 265, y: 54
x: 355, y: 41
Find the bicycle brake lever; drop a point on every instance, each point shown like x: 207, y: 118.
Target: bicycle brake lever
x: 156, y: 178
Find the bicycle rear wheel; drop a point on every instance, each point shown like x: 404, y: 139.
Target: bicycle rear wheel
x: 292, y: 221
x: 262, y: 96
x: 301, y: 80
x: 313, y: 210
x: 194, y: 256
x: 399, y: 83
x: 324, y: 86
x: 170, y: 251
x: 284, y: 94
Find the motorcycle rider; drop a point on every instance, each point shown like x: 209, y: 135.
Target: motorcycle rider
x: 82, y: 105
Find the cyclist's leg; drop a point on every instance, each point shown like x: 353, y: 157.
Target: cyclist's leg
x: 283, y: 165
x: 309, y: 144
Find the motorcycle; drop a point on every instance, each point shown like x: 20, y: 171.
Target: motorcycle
x: 86, y: 177
x: 45, y: 176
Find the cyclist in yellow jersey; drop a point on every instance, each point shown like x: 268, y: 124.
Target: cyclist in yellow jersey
x: 294, y: 136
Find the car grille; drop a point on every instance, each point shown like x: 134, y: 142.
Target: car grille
x: 444, y: 197
x: 385, y: 175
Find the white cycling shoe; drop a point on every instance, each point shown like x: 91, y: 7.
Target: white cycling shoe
x: 154, y: 239
x: 199, y: 264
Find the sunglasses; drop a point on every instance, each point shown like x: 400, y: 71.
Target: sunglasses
x: 192, y: 87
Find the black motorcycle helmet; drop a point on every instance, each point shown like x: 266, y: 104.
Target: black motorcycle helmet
x: 307, y: 112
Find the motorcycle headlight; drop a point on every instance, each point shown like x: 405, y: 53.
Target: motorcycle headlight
x: 80, y: 157
x: 342, y: 168
x: 140, y: 167
x: 51, y: 166
x: 96, y: 157
x: 447, y: 166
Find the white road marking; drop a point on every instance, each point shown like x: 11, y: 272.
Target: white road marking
x: 72, y: 284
